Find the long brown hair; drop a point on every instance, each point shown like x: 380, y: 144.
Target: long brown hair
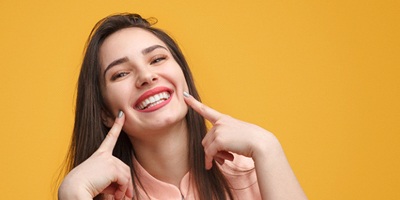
x: 89, y: 130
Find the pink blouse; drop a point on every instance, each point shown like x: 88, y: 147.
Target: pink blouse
x: 240, y: 173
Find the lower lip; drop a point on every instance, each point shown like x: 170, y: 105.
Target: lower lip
x: 158, y: 106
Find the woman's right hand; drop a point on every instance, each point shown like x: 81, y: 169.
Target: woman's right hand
x: 100, y: 173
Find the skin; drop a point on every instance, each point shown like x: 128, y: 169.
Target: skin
x: 159, y: 137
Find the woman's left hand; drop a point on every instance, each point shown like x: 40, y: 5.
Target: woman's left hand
x: 230, y: 135
x: 275, y: 177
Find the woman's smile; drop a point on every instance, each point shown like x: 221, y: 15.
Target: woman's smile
x: 153, y: 99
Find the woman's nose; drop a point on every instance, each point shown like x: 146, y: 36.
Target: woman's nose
x: 146, y: 77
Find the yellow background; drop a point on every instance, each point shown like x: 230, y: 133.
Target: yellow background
x: 324, y: 76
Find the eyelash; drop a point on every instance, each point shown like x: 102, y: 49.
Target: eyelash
x: 119, y: 75
x: 158, y: 59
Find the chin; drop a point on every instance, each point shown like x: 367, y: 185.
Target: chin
x: 170, y: 121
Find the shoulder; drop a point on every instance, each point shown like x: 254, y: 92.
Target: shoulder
x: 242, y: 177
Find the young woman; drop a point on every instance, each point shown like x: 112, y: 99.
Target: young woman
x: 140, y: 128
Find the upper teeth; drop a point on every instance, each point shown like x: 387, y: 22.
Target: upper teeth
x: 153, y: 100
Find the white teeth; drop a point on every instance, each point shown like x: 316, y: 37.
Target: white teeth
x: 157, y: 97
x: 153, y: 100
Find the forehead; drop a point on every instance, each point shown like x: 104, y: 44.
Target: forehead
x: 133, y: 34
x: 125, y: 42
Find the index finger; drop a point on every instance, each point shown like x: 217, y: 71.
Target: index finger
x: 109, y: 142
x: 205, y: 111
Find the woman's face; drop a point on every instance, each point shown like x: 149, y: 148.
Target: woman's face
x: 141, y: 78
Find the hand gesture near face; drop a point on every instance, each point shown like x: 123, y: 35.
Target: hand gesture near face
x: 275, y: 177
x: 229, y: 135
x: 100, y: 173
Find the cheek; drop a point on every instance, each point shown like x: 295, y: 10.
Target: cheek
x: 116, y: 96
x: 179, y: 78
x: 185, y: 85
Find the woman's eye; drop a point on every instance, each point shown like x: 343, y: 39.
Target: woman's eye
x: 157, y: 59
x: 119, y: 75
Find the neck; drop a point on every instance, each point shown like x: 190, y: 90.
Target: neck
x: 165, y: 154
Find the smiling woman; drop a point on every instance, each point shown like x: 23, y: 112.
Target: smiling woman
x: 140, y: 128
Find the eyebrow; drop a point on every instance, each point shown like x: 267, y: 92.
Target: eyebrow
x: 126, y: 59
x: 116, y: 62
x: 152, y: 48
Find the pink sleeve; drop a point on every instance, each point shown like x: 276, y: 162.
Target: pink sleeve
x: 242, y: 177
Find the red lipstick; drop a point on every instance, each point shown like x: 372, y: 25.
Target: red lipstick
x: 153, y: 99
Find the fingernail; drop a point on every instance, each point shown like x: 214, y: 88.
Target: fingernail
x: 186, y: 94
x: 120, y: 113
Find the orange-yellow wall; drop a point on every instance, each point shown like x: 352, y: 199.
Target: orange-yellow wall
x: 324, y: 76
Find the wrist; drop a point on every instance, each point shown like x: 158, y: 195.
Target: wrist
x: 267, y: 148
x: 71, y: 191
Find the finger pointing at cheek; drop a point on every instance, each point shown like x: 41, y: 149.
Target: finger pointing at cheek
x: 205, y: 111
x: 212, y: 150
x: 122, y: 179
x: 109, y: 142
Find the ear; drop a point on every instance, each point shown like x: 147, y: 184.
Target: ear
x: 107, y: 119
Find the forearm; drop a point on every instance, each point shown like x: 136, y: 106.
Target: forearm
x: 275, y: 176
